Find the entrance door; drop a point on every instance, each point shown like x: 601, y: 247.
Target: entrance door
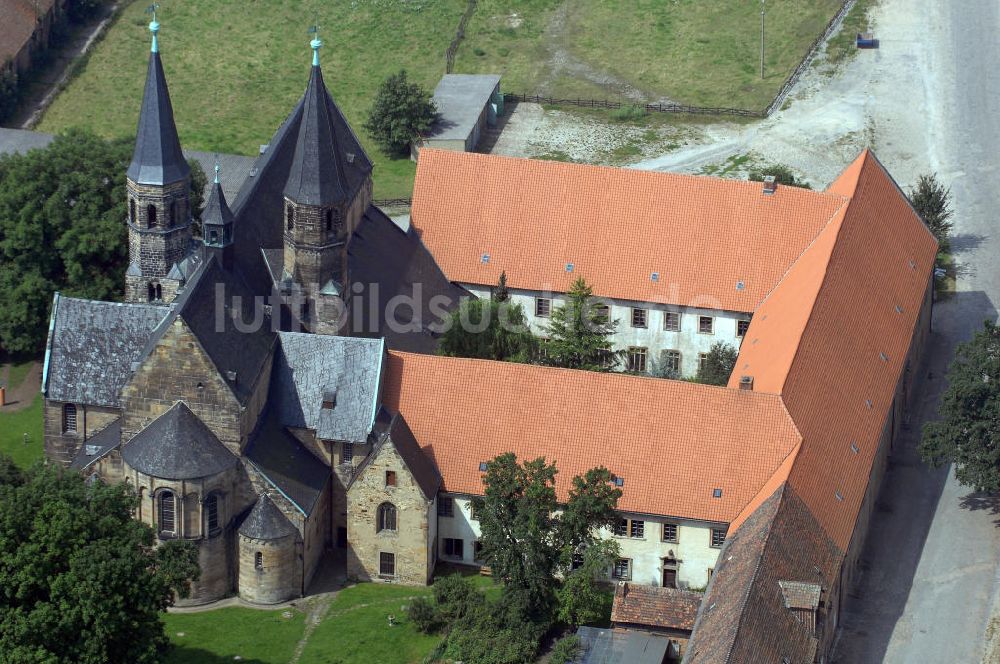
x: 669, y: 577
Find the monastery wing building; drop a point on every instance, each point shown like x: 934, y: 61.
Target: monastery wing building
x: 270, y: 389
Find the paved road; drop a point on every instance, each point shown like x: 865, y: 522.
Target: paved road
x: 932, y: 582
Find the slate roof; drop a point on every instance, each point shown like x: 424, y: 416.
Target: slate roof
x: 240, y: 355
x: 425, y: 474
x: 177, y: 446
x: 91, y: 348
x: 291, y: 468
x: 702, y: 236
x: 267, y: 522
x: 652, y: 606
x: 329, y: 164
x: 216, y: 210
x: 20, y: 141
x: 308, y: 366
x: 465, y: 411
x: 157, y: 158
x: 98, y: 445
x: 234, y: 169
x: 393, y: 264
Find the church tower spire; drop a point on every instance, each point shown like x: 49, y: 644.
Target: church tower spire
x: 158, y: 183
x: 217, y: 224
x: 327, y: 192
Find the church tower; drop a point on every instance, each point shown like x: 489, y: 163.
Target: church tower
x: 217, y: 225
x: 328, y: 190
x: 158, y: 184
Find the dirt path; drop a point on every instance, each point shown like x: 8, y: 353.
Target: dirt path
x: 21, y: 396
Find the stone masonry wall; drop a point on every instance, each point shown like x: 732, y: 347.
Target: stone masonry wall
x: 409, y: 542
x: 279, y: 576
x: 178, y: 369
x: 156, y: 249
x: 63, y: 447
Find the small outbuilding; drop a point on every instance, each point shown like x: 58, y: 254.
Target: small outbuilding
x: 466, y: 105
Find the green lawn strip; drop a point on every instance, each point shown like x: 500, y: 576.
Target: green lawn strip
x: 691, y: 51
x: 235, y: 71
x: 257, y: 637
x: 842, y: 45
x: 13, y: 426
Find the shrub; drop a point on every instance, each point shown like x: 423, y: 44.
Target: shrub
x: 719, y: 365
x: 782, y: 175
x: 932, y: 201
x: 455, y: 597
x: 565, y: 650
x: 629, y: 113
x: 401, y: 112
x: 424, y: 615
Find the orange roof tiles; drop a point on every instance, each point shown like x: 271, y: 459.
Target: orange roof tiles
x: 18, y: 20
x: 616, y: 226
x: 673, y: 442
x: 652, y: 606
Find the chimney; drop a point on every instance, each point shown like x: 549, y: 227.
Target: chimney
x: 625, y: 589
x: 770, y: 184
x: 746, y: 383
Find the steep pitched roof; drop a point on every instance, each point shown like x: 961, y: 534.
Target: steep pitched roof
x: 157, y: 158
x: 703, y: 237
x: 651, y: 606
x: 238, y: 340
x: 267, y: 522
x: 285, y: 462
x: 463, y: 412
x: 329, y: 164
x: 99, y: 444
x: 217, y: 212
x: 424, y: 472
x: 177, y: 446
x: 92, y: 346
x: 309, y: 367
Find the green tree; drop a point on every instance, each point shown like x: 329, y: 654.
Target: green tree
x: 718, y: 365
x: 62, y: 212
x: 525, y: 541
x: 80, y: 579
x: 579, y: 333
x: 968, y: 433
x: 199, y: 181
x: 932, y: 201
x: 493, y: 329
x: 583, y: 596
x: 401, y: 112
x: 782, y: 175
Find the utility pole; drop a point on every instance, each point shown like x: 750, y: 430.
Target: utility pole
x: 762, y: 39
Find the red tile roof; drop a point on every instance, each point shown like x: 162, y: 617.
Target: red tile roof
x: 672, y: 442
x: 652, y: 606
x: 616, y: 226
x: 18, y: 19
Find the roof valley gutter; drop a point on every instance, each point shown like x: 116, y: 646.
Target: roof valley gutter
x: 378, y: 386
x: 277, y: 488
x: 48, y: 345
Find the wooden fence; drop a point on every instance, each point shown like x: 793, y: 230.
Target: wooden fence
x: 775, y: 104
x: 449, y: 55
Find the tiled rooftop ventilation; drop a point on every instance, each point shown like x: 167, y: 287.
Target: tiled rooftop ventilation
x: 770, y: 184
x: 569, y: 267
x: 655, y: 276
x: 485, y: 258
x: 716, y: 493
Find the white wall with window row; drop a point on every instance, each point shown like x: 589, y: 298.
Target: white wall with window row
x: 653, y: 333
x: 654, y: 550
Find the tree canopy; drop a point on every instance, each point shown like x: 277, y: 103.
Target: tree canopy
x: 580, y: 333
x: 402, y: 111
x: 493, y: 329
x: 718, y: 365
x: 62, y: 227
x: 932, y: 201
x: 968, y: 433
x: 80, y: 578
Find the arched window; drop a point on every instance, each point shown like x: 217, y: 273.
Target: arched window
x: 69, y: 418
x: 166, y: 513
x: 173, y: 213
x: 159, y: 292
x: 131, y: 210
x: 290, y: 218
x: 386, y: 517
x: 258, y: 560
x: 329, y: 220
x: 150, y: 216
x: 150, y: 292
x: 212, y: 513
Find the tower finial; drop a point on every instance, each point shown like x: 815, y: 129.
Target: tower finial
x: 216, y: 169
x: 316, y: 43
x: 154, y: 26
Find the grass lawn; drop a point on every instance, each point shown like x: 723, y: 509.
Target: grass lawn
x: 17, y: 373
x: 13, y: 426
x: 691, y: 51
x: 257, y: 637
x: 236, y: 69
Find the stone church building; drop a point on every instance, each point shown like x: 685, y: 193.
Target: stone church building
x: 270, y: 389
